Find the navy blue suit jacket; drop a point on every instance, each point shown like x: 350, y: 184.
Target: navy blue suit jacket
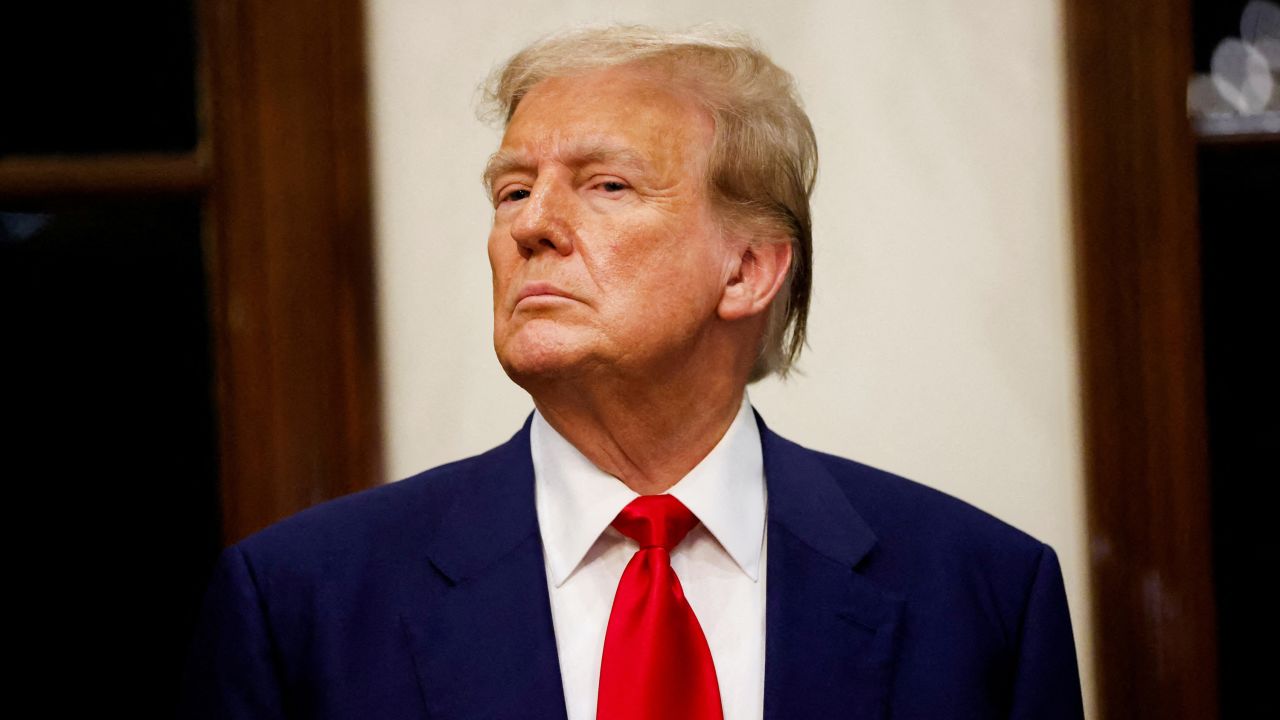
x: 427, y: 598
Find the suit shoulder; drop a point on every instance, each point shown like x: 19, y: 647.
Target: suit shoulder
x: 942, y: 551
x: 382, y: 519
x: 897, y: 507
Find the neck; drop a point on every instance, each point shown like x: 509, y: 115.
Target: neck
x: 647, y: 434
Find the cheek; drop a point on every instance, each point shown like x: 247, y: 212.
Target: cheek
x: 665, y: 277
x: 501, y: 254
x: 502, y: 270
x: 495, y: 241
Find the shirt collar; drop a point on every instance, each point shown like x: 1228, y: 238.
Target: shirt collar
x: 576, y: 501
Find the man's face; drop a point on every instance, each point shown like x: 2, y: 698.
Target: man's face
x: 604, y: 249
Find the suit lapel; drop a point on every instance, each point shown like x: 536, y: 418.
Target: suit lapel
x: 830, y: 633
x: 478, y: 619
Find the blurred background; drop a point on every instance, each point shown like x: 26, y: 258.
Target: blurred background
x: 242, y: 269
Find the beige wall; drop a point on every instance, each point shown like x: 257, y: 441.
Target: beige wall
x: 943, y: 341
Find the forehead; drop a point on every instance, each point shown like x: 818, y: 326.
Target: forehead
x: 622, y: 114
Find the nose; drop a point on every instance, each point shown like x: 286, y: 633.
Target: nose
x: 545, y: 220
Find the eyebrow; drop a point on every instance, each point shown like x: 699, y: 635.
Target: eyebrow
x: 505, y: 161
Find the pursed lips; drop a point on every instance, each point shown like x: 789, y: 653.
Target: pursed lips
x: 541, y: 289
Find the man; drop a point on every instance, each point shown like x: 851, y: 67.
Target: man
x: 644, y: 546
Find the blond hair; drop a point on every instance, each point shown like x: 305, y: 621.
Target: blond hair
x: 764, y: 155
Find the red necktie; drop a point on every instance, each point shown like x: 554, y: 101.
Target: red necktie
x: 656, y: 662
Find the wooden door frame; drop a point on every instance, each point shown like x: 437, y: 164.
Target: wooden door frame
x: 282, y: 166
x: 290, y: 252
x: 1138, y: 272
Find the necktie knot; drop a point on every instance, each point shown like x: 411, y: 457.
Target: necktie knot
x: 655, y: 521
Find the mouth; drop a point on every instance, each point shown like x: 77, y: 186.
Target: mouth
x: 541, y: 291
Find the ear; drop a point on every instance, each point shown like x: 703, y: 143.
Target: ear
x: 756, y: 273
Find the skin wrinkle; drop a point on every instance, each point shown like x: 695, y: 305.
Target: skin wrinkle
x: 643, y: 366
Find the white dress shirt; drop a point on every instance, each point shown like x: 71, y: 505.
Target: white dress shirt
x: 720, y: 563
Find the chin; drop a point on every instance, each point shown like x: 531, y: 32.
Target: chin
x: 532, y: 357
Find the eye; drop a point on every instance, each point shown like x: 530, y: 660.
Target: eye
x: 612, y: 186
x: 516, y: 194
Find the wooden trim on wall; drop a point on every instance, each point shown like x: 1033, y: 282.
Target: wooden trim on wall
x: 61, y: 175
x: 290, y: 255
x: 1134, y: 188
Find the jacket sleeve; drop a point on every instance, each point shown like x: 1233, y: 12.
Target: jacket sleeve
x: 1046, y: 683
x: 232, y: 669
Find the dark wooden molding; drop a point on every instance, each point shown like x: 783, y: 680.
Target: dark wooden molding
x: 47, y: 176
x: 1134, y: 198
x: 290, y: 253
